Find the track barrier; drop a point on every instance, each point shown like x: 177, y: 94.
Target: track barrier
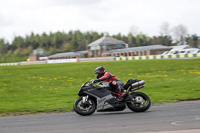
x: 153, y: 57
x: 9, y: 64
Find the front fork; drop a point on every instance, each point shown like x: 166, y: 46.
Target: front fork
x: 85, y: 99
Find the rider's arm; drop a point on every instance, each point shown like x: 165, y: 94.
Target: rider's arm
x: 106, y: 76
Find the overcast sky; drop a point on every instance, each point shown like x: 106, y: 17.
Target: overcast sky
x: 21, y: 17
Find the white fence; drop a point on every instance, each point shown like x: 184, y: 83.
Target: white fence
x: 62, y: 61
x: 40, y: 62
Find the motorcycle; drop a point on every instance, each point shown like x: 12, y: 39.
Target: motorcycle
x: 101, y: 98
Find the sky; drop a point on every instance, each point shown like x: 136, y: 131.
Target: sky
x: 21, y: 17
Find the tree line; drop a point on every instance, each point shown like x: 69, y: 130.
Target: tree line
x: 20, y: 48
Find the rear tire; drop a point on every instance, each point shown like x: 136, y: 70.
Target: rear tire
x: 84, y: 109
x: 142, y: 102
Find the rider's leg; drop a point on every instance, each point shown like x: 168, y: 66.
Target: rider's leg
x: 114, y: 86
x: 120, y: 87
x: 117, y: 89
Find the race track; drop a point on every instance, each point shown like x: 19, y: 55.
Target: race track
x: 160, y: 117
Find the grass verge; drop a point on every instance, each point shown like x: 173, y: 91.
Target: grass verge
x: 53, y: 87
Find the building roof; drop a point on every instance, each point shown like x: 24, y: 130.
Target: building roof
x: 68, y: 54
x: 106, y: 40
x: 181, y: 47
x: 151, y: 47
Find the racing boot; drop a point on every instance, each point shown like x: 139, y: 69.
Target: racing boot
x: 123, y: 96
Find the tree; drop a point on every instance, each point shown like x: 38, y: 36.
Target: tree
x: 118, y: 36
x: 95, y: 36
x: 180, y: 33
x: 67, y: 47
x: 142, y: 40
x: 53, y: 50
x: 164, y: 29
x: 57, y: 39
x: 9, y: 53
x: 44, y: 41
x: 81, y: 41
x: 162, y: 40
x: 18, y: 42
x: 2, y: 46
x: 193, y: 40
x: 130, y: 39
x: 17, y: 52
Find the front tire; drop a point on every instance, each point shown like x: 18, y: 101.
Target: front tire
x: 141, y: 102
x: 86, y: 108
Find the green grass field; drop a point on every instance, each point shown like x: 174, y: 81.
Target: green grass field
x: 53, y: 87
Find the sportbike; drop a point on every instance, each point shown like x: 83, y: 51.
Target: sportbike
x: 101, y: 98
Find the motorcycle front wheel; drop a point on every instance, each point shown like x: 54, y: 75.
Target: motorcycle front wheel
x: 86, y: 108
x: 141, y: 102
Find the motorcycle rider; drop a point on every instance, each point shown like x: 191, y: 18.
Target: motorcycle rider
x: 116, y: 84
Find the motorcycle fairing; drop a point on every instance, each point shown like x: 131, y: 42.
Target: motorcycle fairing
x: 105, y: 99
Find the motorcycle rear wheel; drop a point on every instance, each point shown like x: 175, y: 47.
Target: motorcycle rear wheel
x: 84, y: 109
x: 141, y: 102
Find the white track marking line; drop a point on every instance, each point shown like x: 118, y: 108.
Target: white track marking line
x: 176, y: 123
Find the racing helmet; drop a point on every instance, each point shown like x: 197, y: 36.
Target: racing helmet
x: 99, y: 71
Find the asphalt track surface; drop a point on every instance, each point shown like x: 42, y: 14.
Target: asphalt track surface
x: 181, y: 117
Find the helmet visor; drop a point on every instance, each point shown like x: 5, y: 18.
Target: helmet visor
x: 97, y: 74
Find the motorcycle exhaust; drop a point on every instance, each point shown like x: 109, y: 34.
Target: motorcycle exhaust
x: 138, y: 84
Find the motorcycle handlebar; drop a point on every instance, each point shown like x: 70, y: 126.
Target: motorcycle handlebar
x: 92, y: 82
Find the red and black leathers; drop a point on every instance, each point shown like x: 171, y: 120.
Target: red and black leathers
x: 114, y: 83
x: 107, y: 77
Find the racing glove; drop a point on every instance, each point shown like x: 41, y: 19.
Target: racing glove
x: 95, y: 81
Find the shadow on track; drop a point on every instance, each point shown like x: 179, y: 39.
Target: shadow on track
x: 118, y: 113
